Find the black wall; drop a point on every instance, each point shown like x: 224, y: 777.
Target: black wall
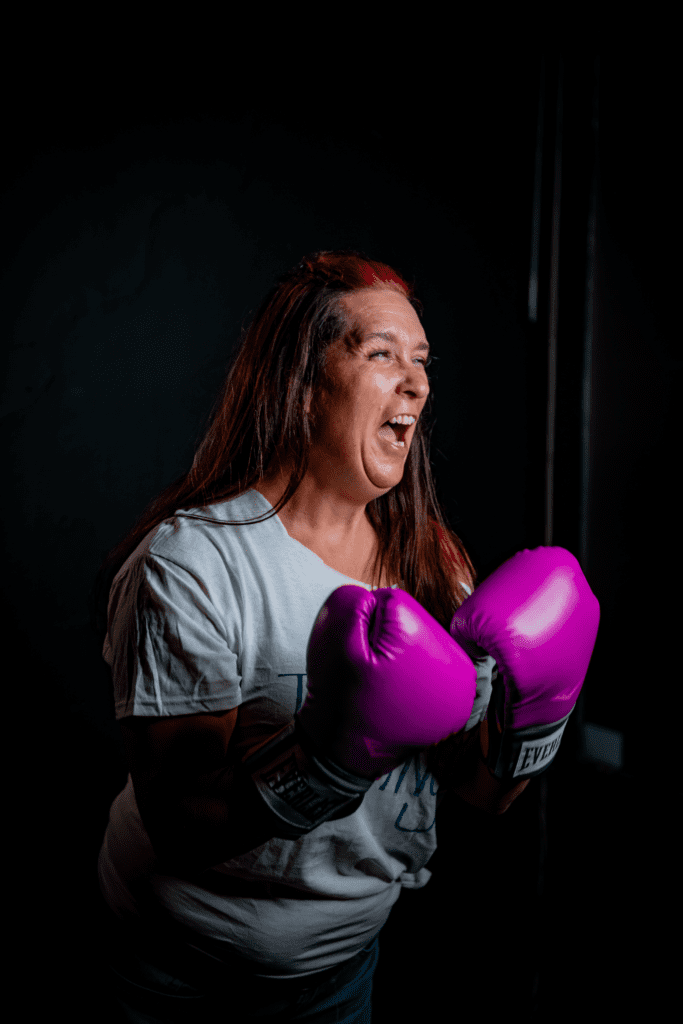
x: 141, y: 229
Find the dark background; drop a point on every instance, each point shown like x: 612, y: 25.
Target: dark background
x: 147, y: 206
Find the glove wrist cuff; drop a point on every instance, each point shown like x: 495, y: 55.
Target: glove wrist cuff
x: 301, y: 787
x: 518, y: 754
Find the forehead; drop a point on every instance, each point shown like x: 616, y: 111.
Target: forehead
x: 383, y: 312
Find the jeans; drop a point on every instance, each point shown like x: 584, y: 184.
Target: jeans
x: 147, y: 988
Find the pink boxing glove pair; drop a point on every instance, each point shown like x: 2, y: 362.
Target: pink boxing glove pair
x: 384, y: 678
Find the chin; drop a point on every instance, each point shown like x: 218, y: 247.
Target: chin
x: 382, y: 477
x: 385, y: 482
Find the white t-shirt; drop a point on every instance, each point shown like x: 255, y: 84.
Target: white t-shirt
x: 203, y: 618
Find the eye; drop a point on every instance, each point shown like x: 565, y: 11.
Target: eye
x: 418, y: 359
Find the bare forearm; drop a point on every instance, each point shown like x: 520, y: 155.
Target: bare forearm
x: 223, y: 818
x: 459, y: 766
x: 479, y: 787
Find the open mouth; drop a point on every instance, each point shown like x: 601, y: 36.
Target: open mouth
x: 394, y: 433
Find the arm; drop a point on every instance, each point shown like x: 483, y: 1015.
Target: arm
x: 459, y: 766
x: 197, y: 811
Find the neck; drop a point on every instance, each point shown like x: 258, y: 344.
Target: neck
x: 317, y: 514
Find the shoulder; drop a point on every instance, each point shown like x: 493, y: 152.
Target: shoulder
x: 192, y: 533
x: 239, y: 511
x: 197, y: 549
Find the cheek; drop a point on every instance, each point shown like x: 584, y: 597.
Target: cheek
x: 384, y: 383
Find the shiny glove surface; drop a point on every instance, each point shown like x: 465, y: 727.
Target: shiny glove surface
x: 538, y: 618
x: 384, y: 678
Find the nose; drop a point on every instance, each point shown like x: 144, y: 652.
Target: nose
x: 413, y: 382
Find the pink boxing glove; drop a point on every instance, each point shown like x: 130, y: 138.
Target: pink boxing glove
x: 384, y: 678
x: 538, y: 618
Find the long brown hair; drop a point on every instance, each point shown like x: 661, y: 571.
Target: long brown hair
x: 261, y: 415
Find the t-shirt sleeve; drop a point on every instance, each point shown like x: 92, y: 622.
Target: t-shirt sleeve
x: 170, y: 649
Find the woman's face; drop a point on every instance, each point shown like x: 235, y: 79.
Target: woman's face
x: 369, y: 380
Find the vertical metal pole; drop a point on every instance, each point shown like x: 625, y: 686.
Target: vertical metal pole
x: 586, y: 384
x: 536, y: 211
x: 552, y: 318
x: 588, y: 333
x: 549, y: 475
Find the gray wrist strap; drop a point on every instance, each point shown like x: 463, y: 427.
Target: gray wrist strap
x: 301, y: 787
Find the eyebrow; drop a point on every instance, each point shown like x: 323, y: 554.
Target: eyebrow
x: 390, y: 336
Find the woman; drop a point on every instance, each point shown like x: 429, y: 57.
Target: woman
x: 312, y: 475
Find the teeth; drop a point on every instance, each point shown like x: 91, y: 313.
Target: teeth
x: 405, y: 421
